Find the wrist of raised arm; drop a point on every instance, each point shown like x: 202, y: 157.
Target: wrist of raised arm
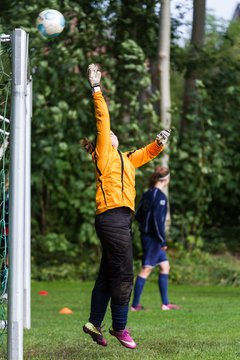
x: 96, y: 89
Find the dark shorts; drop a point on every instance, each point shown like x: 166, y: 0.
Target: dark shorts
x: 153, y: 254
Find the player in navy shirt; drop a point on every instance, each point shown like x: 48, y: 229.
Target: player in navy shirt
x: 151, y: 215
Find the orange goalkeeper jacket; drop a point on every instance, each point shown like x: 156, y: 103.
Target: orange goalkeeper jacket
x: 115, y: 171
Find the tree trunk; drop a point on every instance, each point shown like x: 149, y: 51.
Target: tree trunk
x: 164, y: 78
x: 164, y: 67
x: 192, y: 72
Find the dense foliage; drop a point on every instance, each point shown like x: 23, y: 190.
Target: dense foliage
x: 123, y: 38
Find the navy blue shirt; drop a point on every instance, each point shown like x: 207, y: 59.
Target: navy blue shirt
x: 151, y: 214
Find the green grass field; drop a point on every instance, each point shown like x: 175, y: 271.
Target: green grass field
x: 207, y: 326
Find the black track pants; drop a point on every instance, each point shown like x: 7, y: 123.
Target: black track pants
x: 115, y: 276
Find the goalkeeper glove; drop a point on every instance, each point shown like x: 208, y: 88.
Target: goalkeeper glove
x: 94, y: 75
x: 162, y: 137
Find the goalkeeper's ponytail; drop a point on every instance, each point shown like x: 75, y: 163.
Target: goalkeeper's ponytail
x: 88, y: 145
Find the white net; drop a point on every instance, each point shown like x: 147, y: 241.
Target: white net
x: 5, y: 89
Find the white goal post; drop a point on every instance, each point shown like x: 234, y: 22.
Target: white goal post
x: 19, y: 197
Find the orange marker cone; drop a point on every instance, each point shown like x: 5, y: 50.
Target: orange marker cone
x: 65, y: 310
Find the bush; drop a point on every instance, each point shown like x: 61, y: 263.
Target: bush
x: 202, y: 268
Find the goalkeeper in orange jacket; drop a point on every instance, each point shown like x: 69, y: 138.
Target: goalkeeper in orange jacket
x: 115, y: 197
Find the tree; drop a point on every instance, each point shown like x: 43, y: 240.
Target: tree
x: 164, y: 79
x: 193, y: 71
x: 164, y: 68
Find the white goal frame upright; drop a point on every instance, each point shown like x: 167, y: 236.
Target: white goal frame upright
x: 19, y: 197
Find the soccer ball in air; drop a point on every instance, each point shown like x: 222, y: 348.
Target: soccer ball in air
x: 50, y: 23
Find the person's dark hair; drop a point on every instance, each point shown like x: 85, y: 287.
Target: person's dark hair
x: 88, y: 145
x: 160, y: 174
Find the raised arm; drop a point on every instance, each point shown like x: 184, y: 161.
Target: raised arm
x: 142, y: 156
x: 101, y: 113
x: 102, y: 124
